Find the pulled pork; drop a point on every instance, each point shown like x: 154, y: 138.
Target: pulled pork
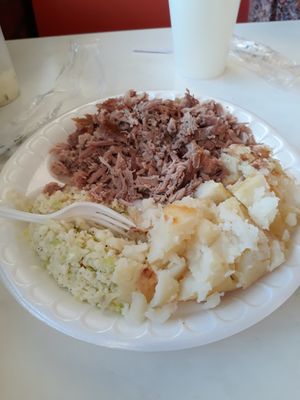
x: 135, y: 148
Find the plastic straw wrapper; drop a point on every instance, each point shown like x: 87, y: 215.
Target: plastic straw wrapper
x: 267, y: 63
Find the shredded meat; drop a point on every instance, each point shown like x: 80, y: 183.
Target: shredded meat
x: 135, y: 148
x: 52, y: 187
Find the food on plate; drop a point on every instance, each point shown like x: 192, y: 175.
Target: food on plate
x: 216, y: 212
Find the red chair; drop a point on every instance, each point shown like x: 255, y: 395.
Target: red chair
x: 63, y: 17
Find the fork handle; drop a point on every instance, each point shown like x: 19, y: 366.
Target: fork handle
x: 24, y: 216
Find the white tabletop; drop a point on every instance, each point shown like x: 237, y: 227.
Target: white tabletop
x: 263, y: 362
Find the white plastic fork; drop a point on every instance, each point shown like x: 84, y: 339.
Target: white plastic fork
x: 99, y: 213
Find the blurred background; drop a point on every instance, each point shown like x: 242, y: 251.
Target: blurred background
x: 32, y: 18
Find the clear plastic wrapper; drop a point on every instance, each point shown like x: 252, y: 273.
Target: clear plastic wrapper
x: 80, y: 81
x: 269, y: 64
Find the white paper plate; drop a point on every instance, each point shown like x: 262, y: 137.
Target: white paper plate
x: 38, y: 293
